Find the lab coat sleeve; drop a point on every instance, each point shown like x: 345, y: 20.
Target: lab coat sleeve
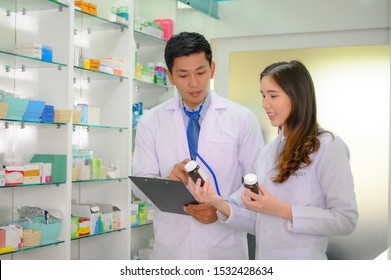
x: 145, y: 161
x: 340, y: 214
x: 240, y: 219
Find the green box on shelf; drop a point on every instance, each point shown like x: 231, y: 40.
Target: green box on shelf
x: 75, y: 220
x: 59, y: 165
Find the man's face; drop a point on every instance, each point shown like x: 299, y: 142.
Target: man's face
x: 191, y: 75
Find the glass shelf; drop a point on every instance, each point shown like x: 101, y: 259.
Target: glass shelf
x: 146, y: 224
x: 86, y: 21
x: 6, y: 121
x: 21, y: 61
x: 89, y: 126
x: 152, y: 84
x: 30, y: 5
x: 32, y: 185
x: 98, y: 234
x: 98, y: 75
x: 32, y: 248
x: 147, y: 40
x: 100, y: 180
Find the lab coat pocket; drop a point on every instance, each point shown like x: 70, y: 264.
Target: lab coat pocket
x: 219, y: 151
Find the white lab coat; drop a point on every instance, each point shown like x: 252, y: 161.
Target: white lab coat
x: 322, y: 198
x: 229, y: 141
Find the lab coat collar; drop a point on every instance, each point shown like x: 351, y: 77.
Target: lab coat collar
x: 216, y: 103
x: 274, y: 151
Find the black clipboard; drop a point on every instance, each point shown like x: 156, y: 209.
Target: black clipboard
x: 167, y: 195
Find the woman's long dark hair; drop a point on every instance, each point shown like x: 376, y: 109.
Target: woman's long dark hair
x: 301, y: 126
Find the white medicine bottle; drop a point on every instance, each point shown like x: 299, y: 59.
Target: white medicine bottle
x: 250, y: 181
x: 195, y: 172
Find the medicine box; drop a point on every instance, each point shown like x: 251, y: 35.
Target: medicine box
x: 134, y: 221
x: 117, y: 222
x: 47, y: 53
x: 32, y: 174
x: 147, y: 27
x: 84, y: 227
x: 15, y: 107
x: 83, y: 5
x: 13, y: 236
x: 106, y: 216
x: 75, y: 224
x: 110, y: 217
x: 83, y: 165
x: 2, y: 239
x: 14, y: 175
x: 95, y: 168
x: 90, y: 211
x: 36, y: 50
x: 59, y: 165
x: 142, y: 212
x: 112, y: 64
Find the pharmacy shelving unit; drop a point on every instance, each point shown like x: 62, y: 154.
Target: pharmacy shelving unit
x: 110, y: 141
x: 64, y: 83
x: 32, y: 78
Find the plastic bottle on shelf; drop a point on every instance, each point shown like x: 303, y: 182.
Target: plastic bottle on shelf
x: 159, y: 74
x: 123, y: 11
x: 138, y: 71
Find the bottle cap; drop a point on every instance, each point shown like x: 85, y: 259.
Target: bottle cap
x: 250, y: 179
x: 190, y: 166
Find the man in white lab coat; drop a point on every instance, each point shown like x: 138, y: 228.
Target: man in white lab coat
x: 229, y: 141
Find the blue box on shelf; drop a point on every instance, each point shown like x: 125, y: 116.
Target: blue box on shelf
x: 34, y: 111
x: 48, y: 114
x: 47, y: 53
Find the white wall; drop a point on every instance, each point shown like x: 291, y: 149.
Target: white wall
x: 281, y: 24
x: 240, y: 18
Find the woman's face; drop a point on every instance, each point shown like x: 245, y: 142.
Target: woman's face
x: 276, y: 102
x: 191, y: 75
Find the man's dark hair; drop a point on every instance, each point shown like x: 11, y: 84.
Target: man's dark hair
x: 185, y: 44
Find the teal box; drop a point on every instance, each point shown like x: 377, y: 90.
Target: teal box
x: 59, y: 165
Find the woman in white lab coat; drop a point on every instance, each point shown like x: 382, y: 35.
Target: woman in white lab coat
x: 229, y: 140
x: 306, y: 189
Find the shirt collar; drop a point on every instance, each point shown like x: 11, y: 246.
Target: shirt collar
x: 205, y: 105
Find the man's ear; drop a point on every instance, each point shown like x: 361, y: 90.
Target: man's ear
x: 170, y: 78
x: 212, y: 69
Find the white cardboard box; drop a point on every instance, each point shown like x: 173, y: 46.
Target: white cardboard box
x: 107, y: 212
x: 13, y: 236
x: 91, y: 211
x: 110, y: 217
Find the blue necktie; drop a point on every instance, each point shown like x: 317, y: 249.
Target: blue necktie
x: 193, y: 131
